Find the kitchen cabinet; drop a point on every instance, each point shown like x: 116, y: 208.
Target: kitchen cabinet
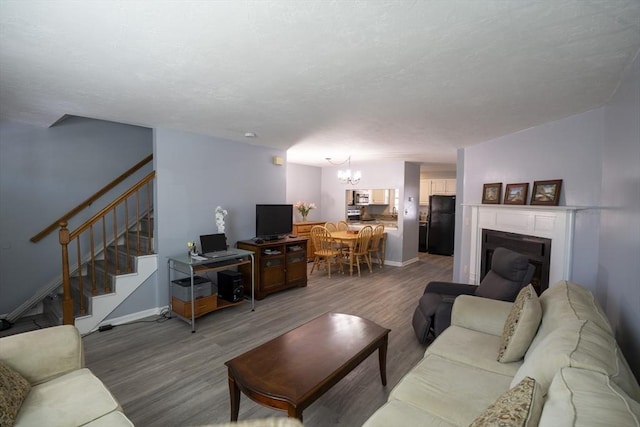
x: 379, y: 197
x: 351, y: 197
x: 443, y: 186
x: 425, y: 191
x: 429, y: 187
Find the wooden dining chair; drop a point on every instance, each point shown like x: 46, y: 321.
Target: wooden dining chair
x: 342, y: 226
x: 361, y: 248
x: 325, y: 249
x: 374, y: 244
x: 330, y: 226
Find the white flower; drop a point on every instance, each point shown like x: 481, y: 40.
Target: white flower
x: 220, y: 214
x: 304, y: 207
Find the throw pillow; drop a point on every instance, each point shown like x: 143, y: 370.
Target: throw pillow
x: 13, y: 390
x: 520, y: 406
x: 521, y: 325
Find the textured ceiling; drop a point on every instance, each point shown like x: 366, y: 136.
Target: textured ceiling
x: 410, y: 80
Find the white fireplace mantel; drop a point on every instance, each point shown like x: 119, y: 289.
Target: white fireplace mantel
x: 551, y: 222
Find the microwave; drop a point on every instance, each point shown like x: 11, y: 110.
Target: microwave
x: 362, y: 198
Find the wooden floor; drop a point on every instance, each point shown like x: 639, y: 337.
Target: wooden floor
x: 163, y: 375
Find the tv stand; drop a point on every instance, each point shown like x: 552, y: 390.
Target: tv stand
x: 279, y: 264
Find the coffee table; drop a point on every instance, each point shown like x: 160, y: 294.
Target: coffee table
x: 293, y: 370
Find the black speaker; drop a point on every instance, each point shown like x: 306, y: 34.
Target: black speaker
x: 230, y: 285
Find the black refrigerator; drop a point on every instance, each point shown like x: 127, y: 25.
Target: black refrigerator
x: 442, y: 219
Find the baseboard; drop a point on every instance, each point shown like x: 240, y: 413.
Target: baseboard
x: 401, y: 264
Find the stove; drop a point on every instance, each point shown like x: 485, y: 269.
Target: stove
x: 353, y: 213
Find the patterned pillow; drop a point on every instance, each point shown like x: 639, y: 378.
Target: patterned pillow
x: 13, y: 390
x: 520, y: 406
x: 521, y: 325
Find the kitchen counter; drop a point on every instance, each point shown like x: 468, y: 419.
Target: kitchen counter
x: 388, y: 225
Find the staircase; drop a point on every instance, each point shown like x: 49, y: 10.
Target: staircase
x: 102, y: 284
x: 105, y: 259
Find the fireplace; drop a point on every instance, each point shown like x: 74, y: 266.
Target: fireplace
x: 537, y: 249
x: 542, y: 225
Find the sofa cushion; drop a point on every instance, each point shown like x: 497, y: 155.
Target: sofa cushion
x: 579, y: 344
x: 480, y: 314
x: 520, y: 406
x: 565, y: 301
x: 398, y: 413
x: 521, y: 325
x: 450, y: 390
x: 579, y: 397
x: 454, y: 343
x: 14, y: 388
x: 74, y: 399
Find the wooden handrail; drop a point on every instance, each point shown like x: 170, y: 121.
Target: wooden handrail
x: 73, y: 212
x: 73, y: 241
x: 111, y: 205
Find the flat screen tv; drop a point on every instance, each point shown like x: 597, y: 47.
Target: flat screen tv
x: 273, y: 221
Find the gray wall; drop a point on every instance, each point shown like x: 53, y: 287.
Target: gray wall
x: 45, y: 172
x: 597, y: 154
x: 303, y: 184
x: 409, y: 214
x: 618, y: 284
x: 196, y: 173
x: 568, y: 149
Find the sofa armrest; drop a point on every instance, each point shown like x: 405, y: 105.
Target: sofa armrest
x: 480, y: 314
x: 43, y: 354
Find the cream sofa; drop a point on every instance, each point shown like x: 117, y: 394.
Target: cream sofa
x: 581, y: 377
x: 63, y: 392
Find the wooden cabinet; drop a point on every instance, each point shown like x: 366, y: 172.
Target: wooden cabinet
x: 430, y: 187
x: 279, y: 264
x: 443, y: 186
x: 379, y: 197
x: 425, y: 191
x: 303, y: 229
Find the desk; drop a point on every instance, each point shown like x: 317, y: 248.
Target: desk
x: 349, y: 238
x: 186, y: 265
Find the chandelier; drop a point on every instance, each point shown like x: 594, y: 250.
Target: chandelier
x: 346, y: 176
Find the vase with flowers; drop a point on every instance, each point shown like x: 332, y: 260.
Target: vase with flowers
x: 304, y: 208
x: 192, y: 248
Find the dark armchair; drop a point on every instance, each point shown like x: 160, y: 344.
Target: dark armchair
x: 510, y: 272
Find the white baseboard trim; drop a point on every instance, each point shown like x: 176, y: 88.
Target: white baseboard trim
x: 401, y: 264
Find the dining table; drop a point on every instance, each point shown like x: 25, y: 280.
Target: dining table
x: 349, y: 237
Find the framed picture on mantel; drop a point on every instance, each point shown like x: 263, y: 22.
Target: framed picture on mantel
x: 546, y: 192
x: 491, y: 193
x: 516, y: 194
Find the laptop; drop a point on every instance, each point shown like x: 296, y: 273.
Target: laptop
x: 215, y: 245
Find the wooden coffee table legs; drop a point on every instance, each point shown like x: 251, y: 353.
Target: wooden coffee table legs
x: 382, y: 357
x: 234, y: 394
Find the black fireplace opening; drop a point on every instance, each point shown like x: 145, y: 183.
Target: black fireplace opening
x: 537, y: 249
